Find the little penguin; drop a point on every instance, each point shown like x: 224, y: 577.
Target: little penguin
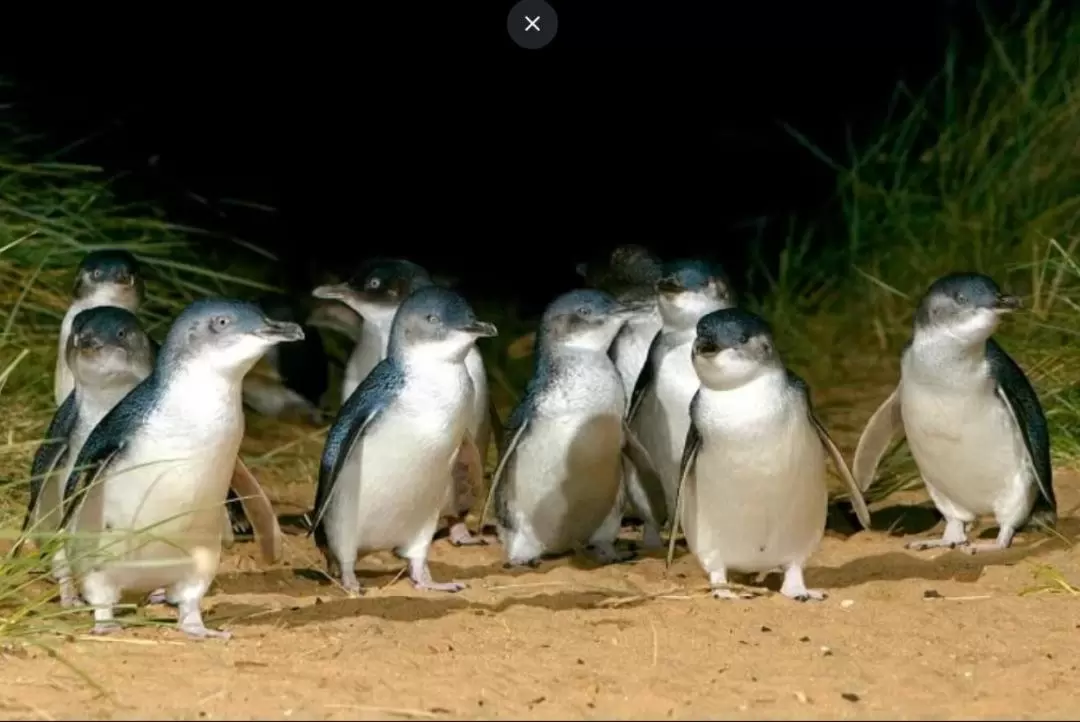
x: 972, y: 420
x: 687, y: 291
x: 385, y: 474
x: 630, y: 275
x: 558, y: 484
x: 376, y: 292
x: 161, y: 461
x: 752, y: 495
x: 108, y: 354
x: 103, y: 278
x: 290, y: 378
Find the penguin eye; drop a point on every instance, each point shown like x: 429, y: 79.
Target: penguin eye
x: 743, y: 338
x: 219, y: 322
x: 584, y: 311
x: 961, y: 298
x: 121, y: 334
x: 97, y: 274
x: 373, y: 284
x: 432, y: 319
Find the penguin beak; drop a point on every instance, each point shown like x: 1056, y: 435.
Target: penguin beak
x: 1006, y: 304
x: 334, y: 292
x: 87, y: 343
x: 634, y: 309
x: 705, y: 348
x: 281, y: 331
x: 669, y: 285
x: 481, y: 329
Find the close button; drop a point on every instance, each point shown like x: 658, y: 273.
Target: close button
x: 532, y: 24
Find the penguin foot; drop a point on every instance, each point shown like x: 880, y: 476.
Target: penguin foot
x: 805, y: 595
x: 421, y: 578
x: 650, y: 538
x: 200, y: 631
x: 103, y: 628
x: 608, y: 554
x: 68, y: 596
x: 726, y: 592
x: 157, y: 597
x: 531, y: 564
x: 351, y: 585
x: 918, y: 546
x: 461, y: 536
x: 983, y: 547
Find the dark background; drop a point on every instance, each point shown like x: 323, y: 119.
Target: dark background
x: 424, y: 131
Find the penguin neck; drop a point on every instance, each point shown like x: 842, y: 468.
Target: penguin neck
x: 934, y: 352
x: 375, y: 331
x: 93, y: 401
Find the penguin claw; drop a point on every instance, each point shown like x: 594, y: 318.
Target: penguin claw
x: 919, y: 546
x: 531, y: 564
x: 725, y: 593
x: 806, y: 595
x: 439, y: 586
x: 461, y: 536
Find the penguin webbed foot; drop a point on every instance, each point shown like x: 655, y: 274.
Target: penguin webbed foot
x: 794, y: 587
x: 461, y: 536
x: 607, y: 553
x: 69, y: 597
x: 102, y: 628
x: 190, y: 622
x: 420, y: 575
x: 525, y: 563
x: 158, y: 596
x: 923, y: 545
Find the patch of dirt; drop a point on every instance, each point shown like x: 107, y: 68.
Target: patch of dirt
x: 903, y: 635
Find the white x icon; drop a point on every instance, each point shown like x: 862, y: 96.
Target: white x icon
x: 532, y: 23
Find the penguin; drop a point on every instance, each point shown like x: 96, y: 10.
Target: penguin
x: 658, y: 413
x: 376, y: 292
x: 290, y: 378
x: 558, y: 484
x: 385, y: 473
x: 181, y: 426
x: 752, y: 495
x: 103, y: 278
x: 108, y: 354
x: 972, y: 420
x: 630, y: 275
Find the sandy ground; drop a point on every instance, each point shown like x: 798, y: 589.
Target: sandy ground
x: 902, y: 635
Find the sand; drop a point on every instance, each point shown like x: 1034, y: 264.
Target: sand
x: 903, y: 635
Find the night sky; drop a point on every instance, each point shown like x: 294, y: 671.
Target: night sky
x: 444, y: 141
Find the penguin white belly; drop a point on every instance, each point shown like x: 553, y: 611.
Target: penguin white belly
x: 757, y: 498
x: 396, y: 479
x: 968, y: 451
x: 157, y: 514
x: 664, y: 417
x: 630, y: 350
x: 565, y: 478
x: 479, y: 424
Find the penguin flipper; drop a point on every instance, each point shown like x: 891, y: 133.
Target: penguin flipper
x: 497, y: 431
x: 646, y: 484
x: 49, y: 455
x: 259, y: 511
x: 1014, y: 389
x: 874, y: 441
x: 644, y: 380
x: 360, y: 411
x: 857, y: 500
x: 689, y: 457
x: 515, y: 427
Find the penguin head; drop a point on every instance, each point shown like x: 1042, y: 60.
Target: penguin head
x: 107, y: 346
x: 436, y: 323
x: 110, y: 275
x: 627, y: 265
x: 732, y: 347
x: 225, y: 335
x: 587, y: 318
x: 377, y: 289
x: 690, y: 288
x: 963, y: 307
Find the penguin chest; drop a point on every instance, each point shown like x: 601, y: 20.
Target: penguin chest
x: 565, y: 475
x: 630, y: 350
x: 966, y: 445
x: 397, y: 478
x: 757, y: 497
x: 664, y: 417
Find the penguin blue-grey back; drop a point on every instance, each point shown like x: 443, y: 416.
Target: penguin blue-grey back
x: 973, y: 422
x: 385, y: 473
x: 752, y: 492
x: 103, y: 278
x: 181, y: 426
